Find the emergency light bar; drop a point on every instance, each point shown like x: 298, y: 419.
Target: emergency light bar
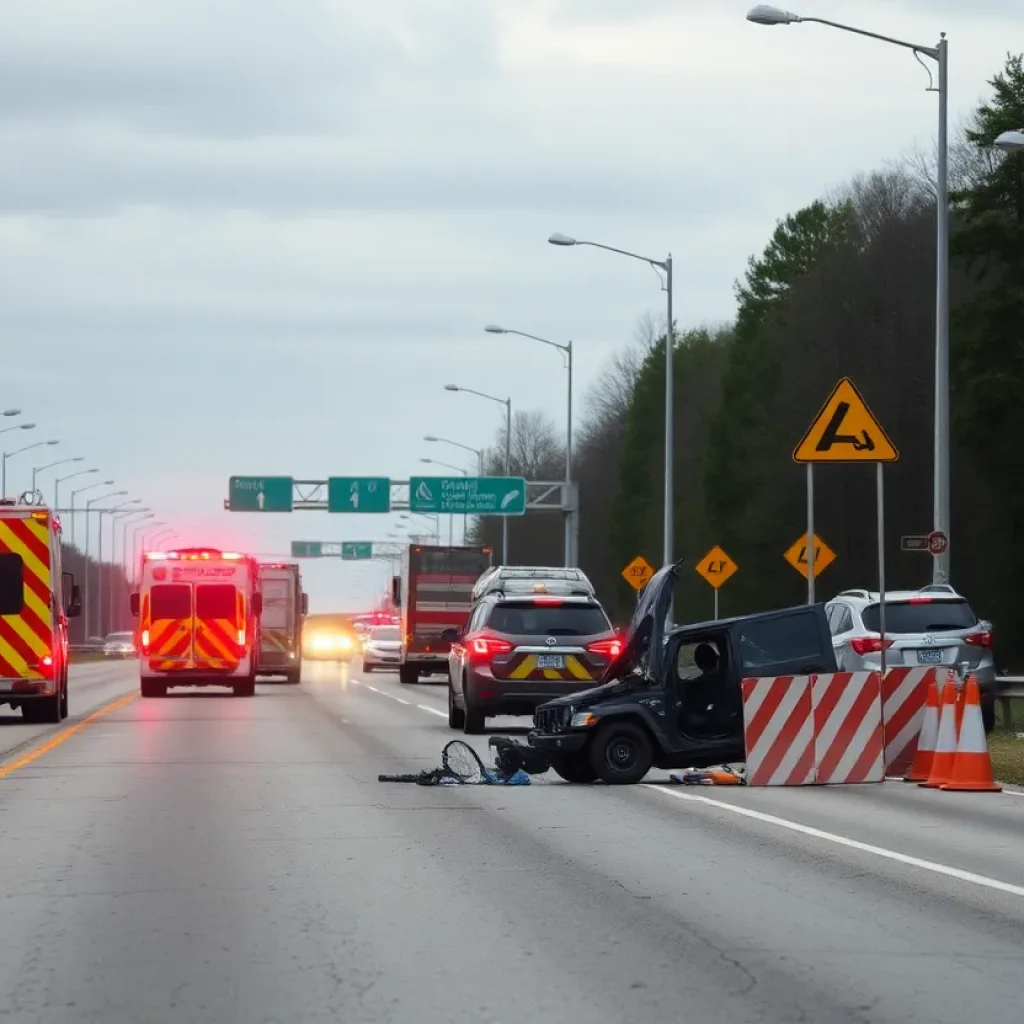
x: 193, y: 555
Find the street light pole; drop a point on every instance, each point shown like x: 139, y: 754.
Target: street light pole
x: 36, y: 470
x: 18, y: 451
x: 56, y: 494
x: 122, y: 518
x: 87, y: 594
x: 74, y: 515
x: 507, y: 402
x: 765, y: 14
x: 668, y: 510
x: 571, y: 518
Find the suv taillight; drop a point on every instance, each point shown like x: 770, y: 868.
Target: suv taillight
x: 869, y: 644
x: 606, y: 648
x: 982, y: 639
x: 488, y: 647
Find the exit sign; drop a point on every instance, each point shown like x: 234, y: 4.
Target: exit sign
x: 260, y: 494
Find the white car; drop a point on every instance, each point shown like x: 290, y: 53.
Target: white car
x: 382, y: 648
x: 119, y: 645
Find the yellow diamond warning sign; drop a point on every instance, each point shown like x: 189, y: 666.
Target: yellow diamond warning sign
x: 845, y: 430
x: 638, y: 572
x: 824, y: 556
x: 716, y: 567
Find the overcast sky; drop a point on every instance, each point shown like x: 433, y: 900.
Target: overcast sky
x: 259, y: 236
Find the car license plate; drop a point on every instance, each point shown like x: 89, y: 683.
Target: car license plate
x: 929, y: 657
x: 550, y: 661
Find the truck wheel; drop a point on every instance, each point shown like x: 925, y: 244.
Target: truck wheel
x: 456, y: 716
x: 64, y: 698
x: 573, y: 769
x: 409, y: 675
x: 621, y: 753
x: 152, y: 688
x: 45, y: 709
x: 245, y: 687
x: 292, y: 678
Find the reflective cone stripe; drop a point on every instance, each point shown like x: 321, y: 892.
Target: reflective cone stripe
x: 925, y: 755
x: 972, y: 766
x: 945, y: 745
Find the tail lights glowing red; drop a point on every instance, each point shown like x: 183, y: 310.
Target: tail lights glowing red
x: 606, y: 648
x: 869, y: 644
x: 144, y: 641
x: 489, y: 646
x: 982, y: 639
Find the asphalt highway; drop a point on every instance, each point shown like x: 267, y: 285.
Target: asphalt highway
x: 211, y: 859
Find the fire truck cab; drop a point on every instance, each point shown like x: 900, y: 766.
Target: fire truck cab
x: 199, y: 619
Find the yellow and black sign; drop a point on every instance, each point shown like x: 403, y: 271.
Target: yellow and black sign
x: 824, y: 556
x: 716, y: 567
x: 845, y: 430
x: 638, y: 572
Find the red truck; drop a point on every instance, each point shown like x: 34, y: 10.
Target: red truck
x: 432, y: 594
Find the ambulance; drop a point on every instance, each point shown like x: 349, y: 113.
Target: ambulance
x: 37, y: 599
x: 199, y: 620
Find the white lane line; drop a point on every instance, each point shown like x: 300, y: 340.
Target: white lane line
x: 853, y: 844
x: 1013, y: 792
x: 398, y: 700
x: 432, y: 711
x: 369, y: 687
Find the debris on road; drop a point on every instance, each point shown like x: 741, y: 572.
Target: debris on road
x: 461, y: 765
x: 724, y: 775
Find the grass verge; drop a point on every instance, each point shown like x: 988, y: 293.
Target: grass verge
x: 1006, y: 751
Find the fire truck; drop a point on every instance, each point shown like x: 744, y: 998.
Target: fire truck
x: 36, y: 601
x: 432, y: 594
x: 199, y: 620
x: 284, y: 607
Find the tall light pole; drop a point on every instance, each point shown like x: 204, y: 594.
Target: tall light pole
x: 148, y: 543
x: 87, y: 594
x: 570, y: 515
x: 507, y: 402
x: 665, y: 265
x: 36, y: 470
x: 123, y: 518
x: 18, y: 426
x: 478, y: 452
x: 56, y: 492
x: 18, y: 451
x: 451, y: 516
x: 82, y: 490
x: 99, y: 553
x: 133, y: 529
x: 765, y: 14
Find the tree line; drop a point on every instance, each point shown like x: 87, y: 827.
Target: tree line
x: 844, y: 287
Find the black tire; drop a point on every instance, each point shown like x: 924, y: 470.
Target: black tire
x: 245, y: 687
x: 152, y: 688
x: 988, y: 715
x: 293, y: 678
x: 43, y: 710
x: 408, y: 675
x: 573, y: 769
x: 64, y: 712
x: 367, y: 668
x: 621, y: 753
x: 456, y: 716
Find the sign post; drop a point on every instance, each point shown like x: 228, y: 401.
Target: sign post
x: 845, y: 430
x: 716, y: 568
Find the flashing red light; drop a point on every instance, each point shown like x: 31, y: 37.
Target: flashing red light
x: 144, y: 642
x: 870, y: 644
x: 981, y: 639
x: 920, y: 600
x: 606, y: 648
x: 46, y: 661
x: 548, y: 600
x: 489, y: 646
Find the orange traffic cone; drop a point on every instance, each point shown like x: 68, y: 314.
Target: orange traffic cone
x: 945, y: 743
x: 925, y: 754
x: 972, y: 766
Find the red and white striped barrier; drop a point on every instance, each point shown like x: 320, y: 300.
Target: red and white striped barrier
x: 778, y: 729
x: 904, y: 692
x: 848, y: 736
x: 804, y: 730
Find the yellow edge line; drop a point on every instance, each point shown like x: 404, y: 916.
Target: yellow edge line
x: 64, y: 734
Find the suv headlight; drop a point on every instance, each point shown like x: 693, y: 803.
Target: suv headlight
x: 583, y: 720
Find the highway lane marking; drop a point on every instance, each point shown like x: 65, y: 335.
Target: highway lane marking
x: 58, y: 738
x: 853, y: 844
x: 432, y: 711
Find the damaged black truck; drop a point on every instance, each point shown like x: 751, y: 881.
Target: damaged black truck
x: 672, y: 699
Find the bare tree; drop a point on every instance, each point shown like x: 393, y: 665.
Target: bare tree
x: 536, y: 451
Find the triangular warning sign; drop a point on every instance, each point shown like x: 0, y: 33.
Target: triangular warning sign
x: 845, y: 430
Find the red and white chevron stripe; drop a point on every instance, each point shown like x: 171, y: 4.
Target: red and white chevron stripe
x: 848, y: 737
x: 904, y: 692
x: 778, y: 729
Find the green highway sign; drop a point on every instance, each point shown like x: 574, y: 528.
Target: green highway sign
x: 316, y: 549
x: 260, y: 494
x: 468, y: 495
x: 359, y: 494
x: 353, y: 550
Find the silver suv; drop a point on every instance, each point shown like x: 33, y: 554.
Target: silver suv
x: 931, y: 626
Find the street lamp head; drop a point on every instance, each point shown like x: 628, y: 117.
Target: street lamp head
x: 430, y: 437
x: 11, y: 412
x: 110, y: 483
x: 452, y: 387
x: 52, y: 442
x: 1011, y: 142
x: 96, y: 470
x: 77, y: 458
x: 494, y: 329
x: 765, y: 14
x: 559, y: 239
x: 27, y: 426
